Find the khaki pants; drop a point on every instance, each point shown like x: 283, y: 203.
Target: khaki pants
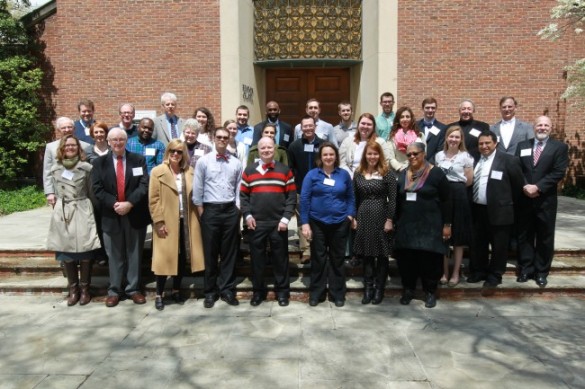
x: 304, y: 246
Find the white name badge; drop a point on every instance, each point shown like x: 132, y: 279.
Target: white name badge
x: 257, y: 160
x: 496, y: 175
x: 248, y: 141
x: 377, y: 177
x: 474, y: 132
x: 150, y: 152
x: 434, y: 130
x: 86, y: 131
x: 309, y: 148
x: 199, y: 153
x: 525, y: 152
x: 67, y: 174
x: 410, y: 196
x: 498, y: 138
x: 137, y: 171
x: 286, y: 137
x: 329, y: 182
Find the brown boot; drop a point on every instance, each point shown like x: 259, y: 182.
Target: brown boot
x: 73, y: 281
x: 85, y: 270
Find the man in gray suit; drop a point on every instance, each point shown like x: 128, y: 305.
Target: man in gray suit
x: 510, y: 131
x: 65, y: 126
x: 168, y: 125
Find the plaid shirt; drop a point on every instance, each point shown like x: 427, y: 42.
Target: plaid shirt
x: 152, y: 151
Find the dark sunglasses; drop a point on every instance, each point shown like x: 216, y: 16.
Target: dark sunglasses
x: 412, y: 154
x: 180, y: 152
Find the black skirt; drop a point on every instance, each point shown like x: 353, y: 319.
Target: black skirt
x: 461, y: 221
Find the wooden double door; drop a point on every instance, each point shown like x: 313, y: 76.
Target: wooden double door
x: 291, y: 88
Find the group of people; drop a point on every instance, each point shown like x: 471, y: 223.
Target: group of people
x: 379, y: 187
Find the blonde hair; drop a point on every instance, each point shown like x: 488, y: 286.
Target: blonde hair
x: 173, y: 145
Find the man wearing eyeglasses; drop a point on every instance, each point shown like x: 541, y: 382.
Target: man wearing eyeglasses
x: 120, y: 185
x: 143, y: 144
x: 385, y: 119
x: 127, y: 113
x: 216, y: 193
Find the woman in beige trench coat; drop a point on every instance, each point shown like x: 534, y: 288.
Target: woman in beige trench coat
x: 176, y: 231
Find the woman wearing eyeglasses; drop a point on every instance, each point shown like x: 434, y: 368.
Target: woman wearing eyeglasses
x: 72, y: 229
x: 176, y: 237
x: 423, y: 225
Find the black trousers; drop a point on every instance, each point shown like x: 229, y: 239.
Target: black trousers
x: 536, y: 239
x: 327, y: 259
x: 220, y: 233
x: 375, y: 271
x: 484, y: 235
x: 279, y: 259
x: 161, y: 280
x: 415, y: 264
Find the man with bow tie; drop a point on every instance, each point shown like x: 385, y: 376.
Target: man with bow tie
x: 433, y: 129
x: 268, y: 199
x: 216, y: 190
x: 510, y: 130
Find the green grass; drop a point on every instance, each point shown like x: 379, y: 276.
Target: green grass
x: 23, y: 199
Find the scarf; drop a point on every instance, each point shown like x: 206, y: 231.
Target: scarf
x: 69, y: 163
x: 418, y: 178
x: 402, y: 139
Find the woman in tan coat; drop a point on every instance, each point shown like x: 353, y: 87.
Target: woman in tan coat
x: 176, y: 230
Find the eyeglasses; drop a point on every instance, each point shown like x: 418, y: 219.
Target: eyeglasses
x: 412, y: 154
x: 74, y: 146
x: 117, y: 140
x: 219, y: 137
x: 180, y: 152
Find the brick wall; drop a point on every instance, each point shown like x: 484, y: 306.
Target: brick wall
x: 483, y: 50
x: 133, y: 50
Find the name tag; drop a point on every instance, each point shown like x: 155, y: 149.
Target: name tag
x: 496, y: 175
x: 410, y: 196
x: 67, y: 174
x: 199, y: 153
x: 434, y: 130
x: 150, y: 152
x: 498, y: 139
x: 377, y: 177
x: 86, y: 131
x: 474, y: 132
x: 286, y: 137
x: 309, y: 148
x: 257, y: 160
x: 137, y: 171
x: 329, y: 182
x: 525, y: 152
x: 247, y: 141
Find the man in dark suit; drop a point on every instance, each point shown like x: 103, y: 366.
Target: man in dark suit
x: 510, y: 130
x: 497, y: 186
x: 433, y: 129
x: 544, y: 162
x: 120, y: 184
x: 284, y: 132
x: 86, y: 110
x: 471, y: 127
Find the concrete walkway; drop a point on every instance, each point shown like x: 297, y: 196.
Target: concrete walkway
x: 482, y: 343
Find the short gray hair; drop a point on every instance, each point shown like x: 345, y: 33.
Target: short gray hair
x: 116, y: 130
x: 168, y: 96
x: 60, y: 121
x: 192, y: 124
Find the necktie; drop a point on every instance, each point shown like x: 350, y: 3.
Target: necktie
x: 225, y: 157
x: 174, y: 134
x: 267, y: 166
x: 537, y: 152
x: 120, y: 178
x: 476, y: 178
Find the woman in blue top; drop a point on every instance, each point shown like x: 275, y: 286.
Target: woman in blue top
x: 327, y: 209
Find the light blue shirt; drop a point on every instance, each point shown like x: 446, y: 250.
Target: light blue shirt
x: 245, y: 135
x: 384, y: 125
x: 217, y: 181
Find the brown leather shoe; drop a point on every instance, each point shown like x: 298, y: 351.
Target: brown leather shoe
x: 138, y: 298
x: 112, y: 301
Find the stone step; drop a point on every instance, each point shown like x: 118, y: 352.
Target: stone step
x: 559, y: 284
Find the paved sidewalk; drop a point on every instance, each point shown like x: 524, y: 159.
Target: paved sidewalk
x: 481, y: 343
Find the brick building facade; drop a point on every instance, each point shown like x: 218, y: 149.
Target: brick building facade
x: 202, y: 50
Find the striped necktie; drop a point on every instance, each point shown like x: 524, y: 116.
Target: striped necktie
x: 537, y: 152
x: 476, y: 179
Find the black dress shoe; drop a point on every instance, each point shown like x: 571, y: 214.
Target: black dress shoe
x: 407, y: 297
x: 523, y: 277
x: 430, y: 300
x: 209, y: 301
x: 177, y: 298
x: 339, y: 303
x: 158, y: 303
x: 475, y: 278
x: 378, y: 296
x: 257, y: 299
x: 313, y: 302
x: 230, y: 299
x: 541, y: 281
x: 491, y: 283
x: 283, y: 301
